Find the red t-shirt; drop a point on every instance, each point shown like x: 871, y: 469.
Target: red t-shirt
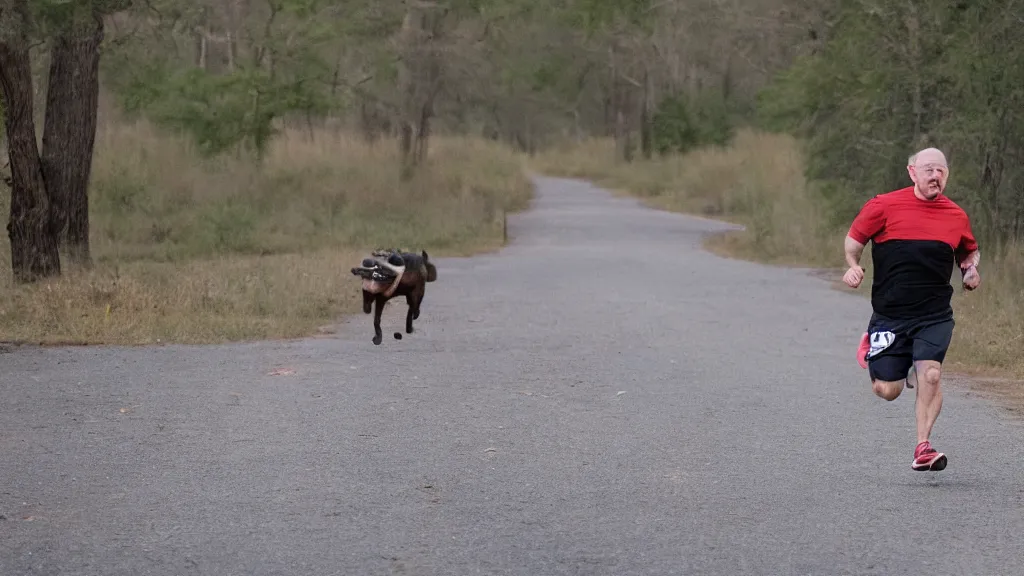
x: 914, y: 245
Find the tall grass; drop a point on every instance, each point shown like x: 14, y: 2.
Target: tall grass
x: 758, y: 181
x: 154, y: 197
x: 989, y: 336
x: 188, y: 249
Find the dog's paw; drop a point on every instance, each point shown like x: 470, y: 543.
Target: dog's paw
x: 377, y: 340
x: 398, y: 335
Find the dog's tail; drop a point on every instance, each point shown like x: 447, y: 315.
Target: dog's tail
x: 431, y: 274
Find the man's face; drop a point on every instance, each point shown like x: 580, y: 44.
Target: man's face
x: 929, y: 173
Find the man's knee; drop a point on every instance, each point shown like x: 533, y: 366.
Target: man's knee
x: 887, y: 390
x: 931, y: 374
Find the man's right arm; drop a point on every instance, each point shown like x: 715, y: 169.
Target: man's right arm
x: 869, y: 222
x: 854, y: 250
x: 865, y: 226
x: 854, y: 274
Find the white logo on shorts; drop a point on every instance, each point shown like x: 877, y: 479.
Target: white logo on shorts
x: 880, y: 341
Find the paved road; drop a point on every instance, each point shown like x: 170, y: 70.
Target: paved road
x: 602, y: 397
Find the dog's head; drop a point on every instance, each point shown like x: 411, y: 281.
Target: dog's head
x: 379, y: 275
x: 431, y: 269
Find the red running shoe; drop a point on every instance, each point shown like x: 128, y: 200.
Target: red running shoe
x: 862, y: 351
x: 927, y: 458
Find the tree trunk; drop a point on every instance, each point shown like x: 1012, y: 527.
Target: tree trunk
x: 233, y: 51
x: 418, y: 77
x: 1018, y: 232
x: 69, y: 133
x: 200, y: 39
x: 914, y: 39
x: 646, y: 120
x: 405, y: 143
x: 623, y: 145
x: 423, y: 132
x: 623, y: 130
x: 409, y: 40
x: 33, y: 247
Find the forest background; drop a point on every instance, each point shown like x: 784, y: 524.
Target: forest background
x: 208, y: 171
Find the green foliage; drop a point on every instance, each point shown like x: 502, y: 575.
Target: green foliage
x: 901, y: 77
x: 681, y: 124
x: 49, y: 16
x: 53, y: 14
x: 283, y: 72
x: 222, y: 111
x: 218, y: 111
x: 593, y: 15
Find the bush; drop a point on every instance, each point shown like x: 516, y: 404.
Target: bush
x: 681, y: 124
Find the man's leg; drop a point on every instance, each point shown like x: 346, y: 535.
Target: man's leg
x: 888, y: 373
x: 929, y: 397
x: 889, y: 357
x: 930, y: 345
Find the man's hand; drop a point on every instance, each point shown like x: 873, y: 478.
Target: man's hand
x: 854, y: 276
x: 971, y: 277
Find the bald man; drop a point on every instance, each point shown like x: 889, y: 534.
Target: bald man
x: 916, y: 234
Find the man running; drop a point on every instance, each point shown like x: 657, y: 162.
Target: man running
x: 916, y: 232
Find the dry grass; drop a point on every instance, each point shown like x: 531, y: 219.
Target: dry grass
x: 196, y: 301
x: 989, y: 336
x: 759, y: 182
x: 195, y: 250
x: 153, y: 197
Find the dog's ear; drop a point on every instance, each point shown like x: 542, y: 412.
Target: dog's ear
x: 425, y: 257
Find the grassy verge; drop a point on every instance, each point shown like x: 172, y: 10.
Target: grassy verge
x: 199, y: 250
x: 758, y: 182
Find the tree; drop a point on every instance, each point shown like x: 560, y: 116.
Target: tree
x: 232, y: 72
x: 419, y: 78
x: 34, y: 253
x: 893, y: 78
x: 69, y: 130
x: 275, y: 67
x: 49, y: 192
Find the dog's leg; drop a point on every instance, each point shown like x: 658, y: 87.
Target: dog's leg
x: 367, y: 301
x: 410, y: 299
x: 419, y: 294
x: 378, y: 336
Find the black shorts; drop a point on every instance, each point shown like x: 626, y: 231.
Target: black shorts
x: 896, y: 344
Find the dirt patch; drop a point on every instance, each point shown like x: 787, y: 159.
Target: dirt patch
x: 1007, y: 393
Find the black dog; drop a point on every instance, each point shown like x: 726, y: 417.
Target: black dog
x: 394, y: 273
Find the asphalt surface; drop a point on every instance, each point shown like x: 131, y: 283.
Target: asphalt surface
x: 600, y: 397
